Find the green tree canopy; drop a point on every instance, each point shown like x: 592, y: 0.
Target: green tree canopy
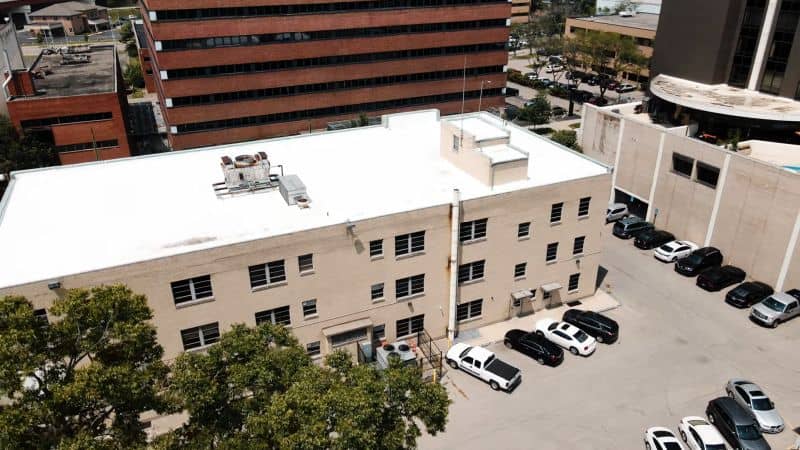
x: 82, y: 380
x: 537, y: 111
x: 19, y: 153
x: 133, y: 74
x: 567, y: 138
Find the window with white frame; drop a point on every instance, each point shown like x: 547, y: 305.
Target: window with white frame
x: 410, y: 325
x: 405, y: 244
x: 198, y: 337
x: 267, y: 274
x: 376, y: 248
x: 472, y: 230
x: 471, y: 310
x: 524, y: 230
x: 577, y: 246
x: 574, y: 279
x: 313, y: 348
x: 552, y: 252
x: 406, y: 287
x: 277, y: 316
x: 471, y: 271
x: 520, y: 269
x: 306, y: 263
x: 555, y: 212
x: 310, y: 308
x: 379, y: 331
x: 376, y: 292
x: 192, y: 289
x: 583, y: 206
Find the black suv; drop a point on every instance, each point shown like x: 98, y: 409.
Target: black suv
x: 630, y: 227
x: 735, y: 424
x: 717, y: 278
x: 535, y: 346
x: 748, y: 294
x: 596, y: 325
x: 650, y: 239
x: 698, y: 261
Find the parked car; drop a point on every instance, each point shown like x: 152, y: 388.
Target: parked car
x: 553, y: 68
x: 675, y: 250
x: 596, y: 325
x: 581, y: 96
x: 597, y: 100
x: 592, y: 80
x: 748, y: 294
x: 650, y: 239
x: 512, y: 92
x: 625, y: 87
x: 567, y: 336
x: 698, y: 261
x: 612, y: 85
x: 735, y: 424
x: 483, y: 364
x: 558, y: 111
x: 717, y: 278
x: 630, y: 227
x: 776, y: 308
x: 660, y: 438
x: 752, y: 398
x: 699, y: 434
x: 616, y: 211
x: 533, y: 76
x: 511, y: 112
x: 535, y: 346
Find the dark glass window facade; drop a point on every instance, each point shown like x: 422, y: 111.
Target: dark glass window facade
x: 780, y: 47
x: 748, y: 40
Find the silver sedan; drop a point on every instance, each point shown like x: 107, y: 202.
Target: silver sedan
x: 753, y: 399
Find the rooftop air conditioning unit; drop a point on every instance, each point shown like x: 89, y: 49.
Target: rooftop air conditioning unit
x: 399, y: 350
x: 293, y: 191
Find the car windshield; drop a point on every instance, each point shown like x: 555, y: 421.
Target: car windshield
x: 773, y: 304
x: 672, y: 446
x: 667, y: 248
x: 747, y: 432
x: 464, y: 353
x: 715, y: 447
x: 762, y: 404
x: 661, y: 434
x: 694, y: 258
x: 581, y: 336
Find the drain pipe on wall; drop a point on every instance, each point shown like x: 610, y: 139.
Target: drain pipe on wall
x: 455, y: 210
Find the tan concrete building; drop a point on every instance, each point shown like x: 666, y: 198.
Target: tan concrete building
x: 520, y: 11
x: 746, y: 203
x: 420, y: 223
x: 71, y: 17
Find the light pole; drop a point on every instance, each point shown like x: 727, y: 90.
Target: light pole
x: 480, y: 97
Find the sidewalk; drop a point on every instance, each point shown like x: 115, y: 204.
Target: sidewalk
x: 484, y: 336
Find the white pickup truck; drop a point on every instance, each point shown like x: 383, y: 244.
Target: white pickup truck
x: 484, y: 364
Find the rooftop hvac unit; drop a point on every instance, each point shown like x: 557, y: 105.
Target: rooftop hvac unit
x: 244, y: 173
x: 397, y: 350
x: 293, y: 191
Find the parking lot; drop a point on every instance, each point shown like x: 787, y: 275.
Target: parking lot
x: 678, y: 346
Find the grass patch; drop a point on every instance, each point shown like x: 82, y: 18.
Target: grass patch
x: 541, y: 130
x: 575, y: 125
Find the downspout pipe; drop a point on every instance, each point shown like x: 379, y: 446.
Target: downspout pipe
x: 455, y: 215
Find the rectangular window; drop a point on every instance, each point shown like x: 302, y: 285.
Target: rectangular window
x: 347, y: 337
x: 410, y: 325
x: 405, y: 287
x: 409, y: 243
x: 267, y: 274
x: 306, y: 263
x: 313, y: 348
x: 573, y: 282
x: 376, y: 292
x: 707, y: 174
x: 277, y: 316
x: 583, y: 206
x: 192, y: 289
x: 201, y: 336
x: 379, y: 331
x: 41, y: 315
x: 546, y: 295
x: 524, y: 230
x: 577, y: 246
x: 519, y: 270
x: 474, y: 229
x: 682, y: 165
x: 456, y: 142
x: 471, y: 271
x: 310, y: 308
x: 555, y: 212
x: 552, y: 252
x: 471, y: 310
x: 376, y: 248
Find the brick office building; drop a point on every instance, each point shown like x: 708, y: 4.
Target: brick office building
x: 76, y: 101
x: 258, y: 68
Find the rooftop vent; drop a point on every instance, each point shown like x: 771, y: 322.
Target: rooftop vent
x: 293, y: 191
x: 245, y: 173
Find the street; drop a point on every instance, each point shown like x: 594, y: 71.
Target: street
x: 678, y: 347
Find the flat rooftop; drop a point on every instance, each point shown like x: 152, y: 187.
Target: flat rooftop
x: 129, y: 210
x: 775, y: 153
x: 725, y: 100
x: 642, y: 21
x: 64, y: 80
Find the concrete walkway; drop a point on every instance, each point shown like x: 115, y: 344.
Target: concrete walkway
x: 484, y: 336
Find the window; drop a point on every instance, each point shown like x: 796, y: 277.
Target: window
x: 555, y: 212
x: 406, y: 287
x: 471, y: 271
x: 376, y: 248
x: 410, y: 325
x: 456, y: 142
x: 379, y: 331
x: 519, y: 270
x: 313, y: 348
x: 707, y: 174
x: 546, y: 295
x: 573, y: 282
x: 277, y: 316
x: 472, y: 230
x: 682, y: 165
x: 41, y: 316
x: 192, y: 289
x: 409, y: 243
x: 306, y: 263
x: 552, y: 252
x: 471, y: 310
x: 201, y: 336
x: 376, y: 292
x: 310, y: 308
x: 577, y: 246
x: 583, y: 206
x: 524, y: 230
x: 348, y: 337
x: 267, y: 274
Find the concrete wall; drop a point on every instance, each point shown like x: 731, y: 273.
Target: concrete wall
x: 9, y: 44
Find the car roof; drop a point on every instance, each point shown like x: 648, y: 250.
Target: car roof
x: 479, y: 353
x: 783, y: 298
x: 753, y: 390
x: 730, y: 268
x: 706, y: 250
x: 631, y: 219
x: 739, y: 415
x: 617, y: 205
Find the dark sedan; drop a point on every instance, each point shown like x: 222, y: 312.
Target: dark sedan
x: 748, y: 294
x: 630, y: 227
x: 698, y: 261
x: 650, y: 239
x: 717, y: 278
x: 596, y: 325
x: 535, y: 346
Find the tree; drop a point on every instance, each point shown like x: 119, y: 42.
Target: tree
x: 133, y: 74
x: 537, y: 111
x: 626, y: 5
x: 257, y: 388
x: 126, y: 32
x: 82, y: 380
x: 567, y: 138
x: 19, y: 153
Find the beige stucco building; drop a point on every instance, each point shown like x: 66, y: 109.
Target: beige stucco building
x: 520, y: 11
x: 357, y: 246
x: 746, y: 202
